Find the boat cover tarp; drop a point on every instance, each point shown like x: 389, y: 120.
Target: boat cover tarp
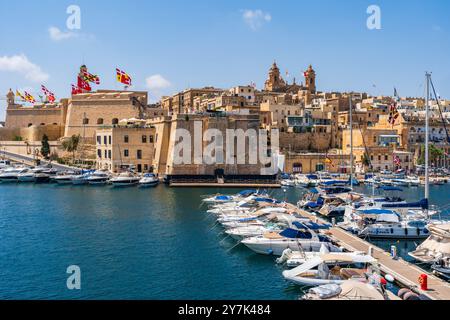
x: 310, y: 225
x: 295, y: 234
x: 421, y: 204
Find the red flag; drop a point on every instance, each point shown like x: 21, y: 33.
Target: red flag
x: 50, y: 95
x: 84, y: 85
x: 123, y: 77
x: 76, y: 90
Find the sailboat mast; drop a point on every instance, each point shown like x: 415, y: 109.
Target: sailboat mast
x: 427, y: 177
x: 351, y: 142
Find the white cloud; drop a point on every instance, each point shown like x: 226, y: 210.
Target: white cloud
x: 58, y: 35
x: 21, y: 65
x: 157, y: 82
x: 256, y: 18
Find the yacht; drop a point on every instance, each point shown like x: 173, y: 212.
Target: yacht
x: 42, y: 177
x: 64, y: 178
x: 274, y: 243
x: 27, y: 176
x: 307, y: 180
x: 98, y: 178
x: 80, y: 179
x: 125, y: 179
x: 330, y: 268
x: 149, y: 180
x: 11, y: 174
x: 436, y: 250
x: 4, y: 164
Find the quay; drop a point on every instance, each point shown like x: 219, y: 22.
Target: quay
x: 30, y: 161
x: 225, y: 185
x: 405, y: 273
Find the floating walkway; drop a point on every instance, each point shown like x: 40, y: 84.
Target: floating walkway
x: 404, y: 272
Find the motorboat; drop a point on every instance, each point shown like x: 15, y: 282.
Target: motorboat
x: 149, y: 180
x: 27, y: 176
x: 80, y: 179
x: 42, y: 177
x: 98, y: 178
x: 303, y: 238
x: 4, y: 164
x: 435, y: 250
x: 383, y: 224
x: 307, y: 180
x: 218, y: 199
x: 328, y: 269
x: 349, y: 290
x: 11, y: 174
x: 64, y: 177
x: 287, y: 183
x: 125, y: 179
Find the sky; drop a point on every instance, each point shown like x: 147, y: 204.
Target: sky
x: 167, y: 46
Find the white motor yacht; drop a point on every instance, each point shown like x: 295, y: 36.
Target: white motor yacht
x: 64, y: 178
x: 125, y: 179
x: 435, y: 250
x: 149, y: 180
x: 316, y: 271
x: 27, y: 176
x: 98, y: 178
x: 11, y: 174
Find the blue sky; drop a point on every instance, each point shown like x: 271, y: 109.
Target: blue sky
x: 167, y: 46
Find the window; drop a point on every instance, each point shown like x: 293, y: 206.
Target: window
x: 115, y: 121
x: 379, y: 158
x: 109, y: 139
x: 139, y: 154
x: 104, y: 139
x: 150, y: 139
x: 99, y: 153
x: 145, y: 167
x: 100, y: 121
x: 85, y: 121
x: 30, y: 124
x: 99, y: 140
x: 125, y: 153
x: 109, y: 154
x: 386, y: 158
x: 125, y: 139
x: 106, y: 154
x: 144, y: 139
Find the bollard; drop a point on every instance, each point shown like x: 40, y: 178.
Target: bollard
x: 423, y: 281
x: 394, y: 252
x: 370, y: 253
x: 333, y: 222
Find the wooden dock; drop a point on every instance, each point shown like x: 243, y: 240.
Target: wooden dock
x: 404, y: 272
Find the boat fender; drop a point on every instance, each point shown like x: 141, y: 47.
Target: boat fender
x: 411, y: 296
x: 401, y: 293
x: 389, y: 278
x: 270, y: 252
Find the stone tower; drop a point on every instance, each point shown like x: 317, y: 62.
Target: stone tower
x: 310, y: 79
x: 10, y: 98
x: 274, y: 82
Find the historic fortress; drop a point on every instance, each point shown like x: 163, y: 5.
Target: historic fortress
x: 313, y: 125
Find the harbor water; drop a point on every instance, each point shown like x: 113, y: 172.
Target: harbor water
x: 137, y: 244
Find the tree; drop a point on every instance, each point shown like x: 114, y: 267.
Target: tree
x: 71, y: 145
x: 434, y: 154
x: 45, y: 148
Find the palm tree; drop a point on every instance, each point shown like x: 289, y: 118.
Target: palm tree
x: 71, y: 145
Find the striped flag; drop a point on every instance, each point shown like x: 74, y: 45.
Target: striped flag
x: 50, y: 95
x: 22, y: 97
x: 89, y: 77
x: 29, y: 97
x: 76, y: 89
x: 393, y: 113
x: 123, y: 77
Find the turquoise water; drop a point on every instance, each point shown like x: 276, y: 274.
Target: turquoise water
x: 131, y: 244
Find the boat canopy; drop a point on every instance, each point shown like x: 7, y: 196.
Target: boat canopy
x: 334, y: 182
x: 295, y: 234
x: 312, y: 176
x: 267, y: 200
x: 376, y: 211
x: 310, y: 225
x: 223, y: 198
x: 246, y: 193
x: 421, y: 204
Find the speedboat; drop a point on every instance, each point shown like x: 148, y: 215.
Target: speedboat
x: 435, y: 250
x: 306, y: 239
x: 327, y: 269
x: 288, y: 183
x: 64, y: 177
x: 80, y: 179
x: 11, y: 174
x: 307, y: 180
x: 125, y: 179
x: 149, y: 180
x: 27, y: 176
x: 98, y: 178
